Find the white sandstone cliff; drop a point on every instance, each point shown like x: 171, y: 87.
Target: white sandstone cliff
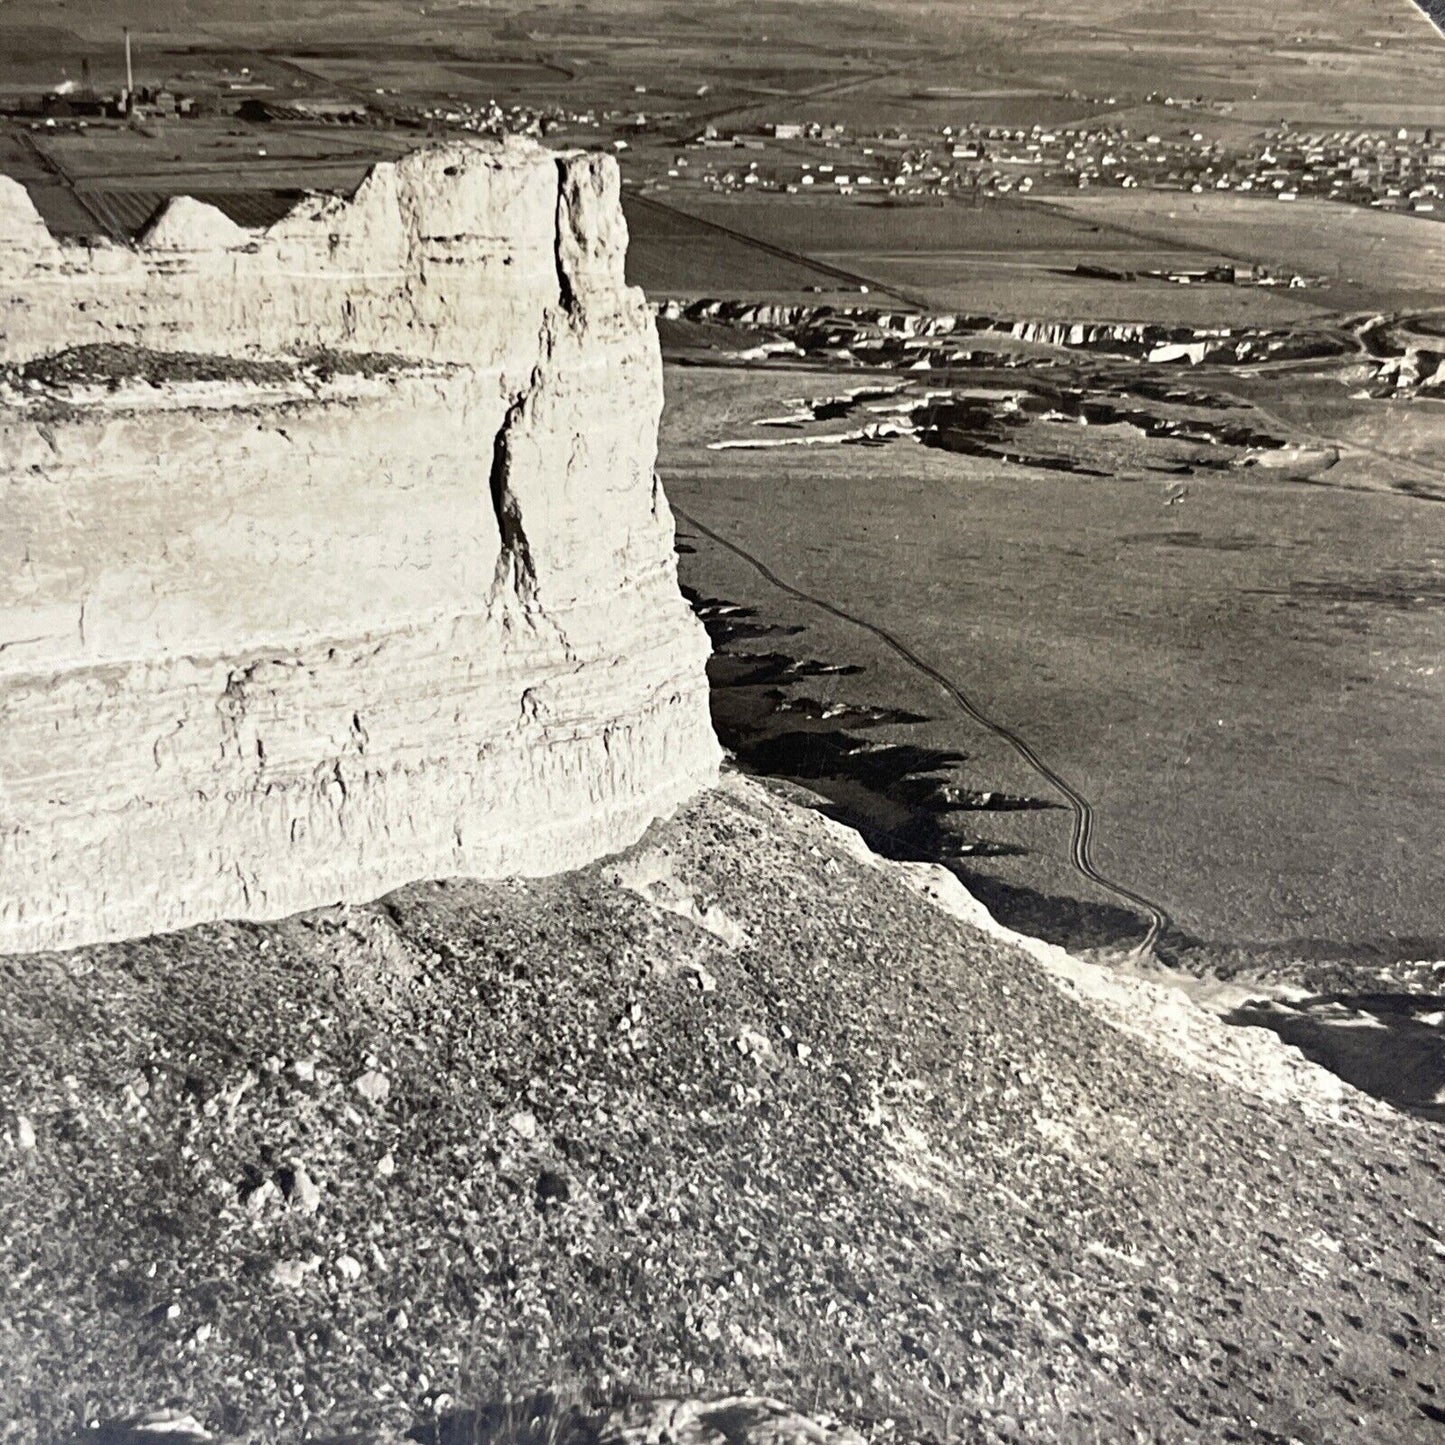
x: 335, y: 558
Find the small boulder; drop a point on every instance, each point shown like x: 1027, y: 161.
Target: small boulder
x: 373, y: 1086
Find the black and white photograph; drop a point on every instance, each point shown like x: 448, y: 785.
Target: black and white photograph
x: 722, y: 725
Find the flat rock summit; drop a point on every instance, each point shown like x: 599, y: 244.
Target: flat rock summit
x: 408, y: 1034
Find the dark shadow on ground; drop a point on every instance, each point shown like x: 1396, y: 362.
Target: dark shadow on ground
x: 905, y: 800
x: 536, y: 1420
x: 1076, y: 924
x: 1389, y: 1045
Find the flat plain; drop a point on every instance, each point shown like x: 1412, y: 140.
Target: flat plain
x: 1244, y: 679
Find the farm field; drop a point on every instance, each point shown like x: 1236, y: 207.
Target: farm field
x: 839, y: 227
x: 174, y: 154
x: 1370, y: 248
x: 951, y: 253
x: 1041, y: 287
x: 1004, y: 259
x: 669, y: 254
x: 919, y: 58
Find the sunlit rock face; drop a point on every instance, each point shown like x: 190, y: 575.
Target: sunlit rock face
x: 331, y: 555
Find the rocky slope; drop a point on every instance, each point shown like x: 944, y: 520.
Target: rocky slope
x: 741, y: 1110
x: 331, y: 556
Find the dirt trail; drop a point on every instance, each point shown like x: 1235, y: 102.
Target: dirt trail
x: 1081, y: 840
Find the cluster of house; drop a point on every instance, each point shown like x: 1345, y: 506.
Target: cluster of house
x: 1398, y: 169
x: 492, y: 118
x: 751, y: 159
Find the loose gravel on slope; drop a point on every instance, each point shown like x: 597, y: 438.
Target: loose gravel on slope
x: 740, y: 1112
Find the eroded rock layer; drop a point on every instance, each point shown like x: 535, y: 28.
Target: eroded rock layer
x: 332, y: 556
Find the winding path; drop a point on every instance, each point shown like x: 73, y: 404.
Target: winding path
x: 1082, y: 839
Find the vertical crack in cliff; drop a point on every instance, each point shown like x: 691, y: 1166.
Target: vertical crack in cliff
x: 231, y: 706
x: 566, y: 292
x: 515, y: 565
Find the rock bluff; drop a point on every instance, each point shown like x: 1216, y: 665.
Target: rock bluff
x: 331, y: 555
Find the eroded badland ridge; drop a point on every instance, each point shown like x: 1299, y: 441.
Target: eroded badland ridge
x: 338, y: 564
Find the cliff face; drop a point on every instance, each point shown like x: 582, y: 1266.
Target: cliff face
x: 332, y: 556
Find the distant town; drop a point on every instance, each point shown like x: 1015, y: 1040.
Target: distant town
x: 1397, y: 168
x: 1400, y: 170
